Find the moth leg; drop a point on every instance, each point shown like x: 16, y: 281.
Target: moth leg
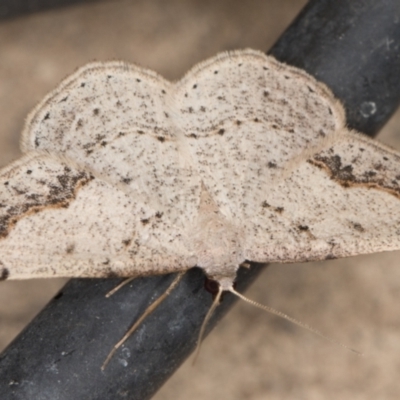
x: 209, y: 314
x: 122, y: 284
x: 146, y: 313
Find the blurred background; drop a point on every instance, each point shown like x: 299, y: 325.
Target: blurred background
x: 250, y: 355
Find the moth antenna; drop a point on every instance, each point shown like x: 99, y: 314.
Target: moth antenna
x: 145, y: 314
x: 291, y: 319
x: 210, y: 312
x: 122, y: 284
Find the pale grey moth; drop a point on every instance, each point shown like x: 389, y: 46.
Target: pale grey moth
x: 245, y: 158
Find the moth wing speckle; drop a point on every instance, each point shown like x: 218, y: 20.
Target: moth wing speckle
x: 246, y: 140
x: 340, y: 202
x: 61, y: 221
x: 118, y: 126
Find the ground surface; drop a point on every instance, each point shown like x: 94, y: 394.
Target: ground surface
x: 250, y: 355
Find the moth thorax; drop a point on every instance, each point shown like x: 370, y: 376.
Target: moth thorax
x: 218, y: 245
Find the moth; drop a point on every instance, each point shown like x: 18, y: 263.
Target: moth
x: 245, y: 158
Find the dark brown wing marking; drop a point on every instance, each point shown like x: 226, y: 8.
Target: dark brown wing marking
x: 377, y: 176
x: 59, y: 195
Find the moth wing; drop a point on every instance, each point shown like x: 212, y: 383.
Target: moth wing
x: 115, y: 120
x: 248, y: 119
x: 271, y: 147
x: 343, y: 201
x: 59, y: 220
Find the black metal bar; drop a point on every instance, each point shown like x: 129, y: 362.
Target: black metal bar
x: 354, y: 47
x: 58, y: 356
x: 16, y: 8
